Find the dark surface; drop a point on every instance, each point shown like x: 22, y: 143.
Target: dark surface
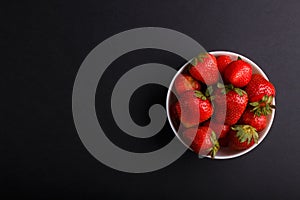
x: 43, y: 45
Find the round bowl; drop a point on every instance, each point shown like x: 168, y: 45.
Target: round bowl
x: 225, y: 152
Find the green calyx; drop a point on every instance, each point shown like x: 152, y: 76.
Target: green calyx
x: 216, y: 146
x: 240, y: 91
x: 194, y: 61
x: 200, y: 95
x: 263, y: 107
x: 209, y: 93
x: 245, y: 133
x: 221, y: 86
x: 199, y: 58
x: 231, y: 87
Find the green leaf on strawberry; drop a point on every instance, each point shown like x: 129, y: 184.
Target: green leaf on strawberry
x: 200, y: 95
x: 245, y: 133
x: 237, y: 90
x: 215, y: 147
x: 209, y: 91
x: 201, y: 57
x: 194, y: 61
x: 263, y: 107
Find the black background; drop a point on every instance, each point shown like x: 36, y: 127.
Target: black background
x: 43, y: 44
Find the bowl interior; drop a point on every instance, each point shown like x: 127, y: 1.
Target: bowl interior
x: 224, y: 152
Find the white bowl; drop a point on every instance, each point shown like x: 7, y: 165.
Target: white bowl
x: 225, y: 152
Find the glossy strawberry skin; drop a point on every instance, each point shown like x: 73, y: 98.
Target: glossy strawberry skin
x: 221, y: 130
x: 235, y: 106
x: 205, y: 69
x: 193, y: 110
x: 185, y: 83
x: 258, y: 87
x: 223, y: 62
x: 199, y: 139
x: 238, y: 73
x: 235, y: 144
x: 258, y: 122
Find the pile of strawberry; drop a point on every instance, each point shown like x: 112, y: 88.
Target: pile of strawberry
x: 216, y: 115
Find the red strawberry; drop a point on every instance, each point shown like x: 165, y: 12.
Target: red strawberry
x: 223, y: 61
x: 242, y: 137
x: 257, y: 122
x: 258, y: 87
x: 175, y: 114
x: 224, y: 142
x: 184, y: 83
x: 194, y: 108
x: 202, y: 140
x: 221, y: 130
x: 235, y: 104
x: 261, y: 93
x: 238, y: 73
x: 219, y: 96
x: 205, y: 69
